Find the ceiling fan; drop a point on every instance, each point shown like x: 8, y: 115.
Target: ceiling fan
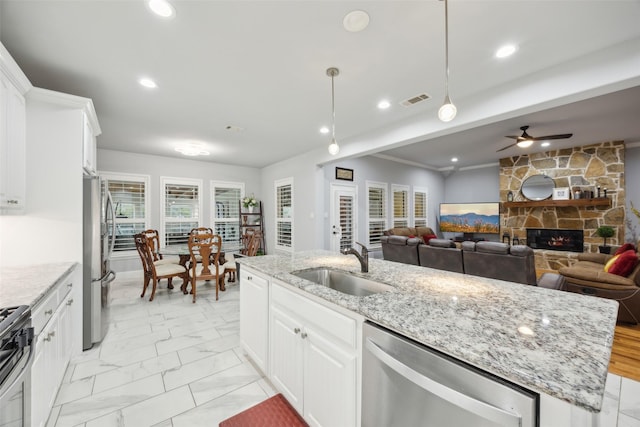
x: 525, y: 140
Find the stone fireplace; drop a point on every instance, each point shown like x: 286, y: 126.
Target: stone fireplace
x: 580, y: 168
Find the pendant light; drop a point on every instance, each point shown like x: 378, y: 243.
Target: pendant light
x: 448, y: 111
x: 334, y: 148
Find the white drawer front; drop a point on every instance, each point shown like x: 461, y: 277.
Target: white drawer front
x: 335, y: 324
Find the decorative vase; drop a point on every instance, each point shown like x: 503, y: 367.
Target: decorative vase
x: 250, y: 209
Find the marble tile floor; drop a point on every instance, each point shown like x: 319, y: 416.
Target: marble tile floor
x: 167, y: 362
x: 172, y: 363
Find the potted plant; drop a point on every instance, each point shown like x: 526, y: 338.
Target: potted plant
x: 249, y: 202
x: 605, y: 231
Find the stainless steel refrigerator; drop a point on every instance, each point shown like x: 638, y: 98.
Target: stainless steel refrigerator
x: 98, y: 241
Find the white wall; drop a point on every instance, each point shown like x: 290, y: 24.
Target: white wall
x: 51, y: 228
x: 308, y: 190
x: 370, y: 168
x: 157, y: 166
x: 632, y: 178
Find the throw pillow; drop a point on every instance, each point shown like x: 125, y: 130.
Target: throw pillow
x: 624, y: 248
x: 625, y: 263
x: 427, y: 237
x: 609, y: 263
x: 411, y: 236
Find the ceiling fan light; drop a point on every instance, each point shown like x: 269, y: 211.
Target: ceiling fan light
x: 334, y: 148
x: 525, y: 143
x: 448, y: 111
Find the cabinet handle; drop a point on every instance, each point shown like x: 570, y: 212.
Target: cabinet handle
x: 249, y: 277
x: 49, y: 335
x: 48, y: 312
x: 296, y: 330
x: 12, y: 202
x: 303, y: 335
x: 70, y: 301
x: 70, y: 285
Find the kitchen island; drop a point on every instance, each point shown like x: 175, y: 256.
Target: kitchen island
x: 552, y: 342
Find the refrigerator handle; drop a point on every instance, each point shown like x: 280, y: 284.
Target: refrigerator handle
x: 113, y: 223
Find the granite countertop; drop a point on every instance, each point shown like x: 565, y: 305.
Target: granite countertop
x: 549, y: 341
x: 27, y: 285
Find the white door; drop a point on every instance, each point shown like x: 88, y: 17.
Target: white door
x: 344, y: 216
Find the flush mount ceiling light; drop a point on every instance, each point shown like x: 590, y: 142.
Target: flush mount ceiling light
x: 192, y: 149
x: 324, y: 130
x: 148, y: 83
x: 356, y: 21
x: 384, y: 104
x: 506, y: 50
x: 448, y: 111
x: 334, y: 148
x: 161, y: 8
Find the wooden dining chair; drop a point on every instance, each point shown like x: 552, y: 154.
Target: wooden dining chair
x: 152, y: 272
x: 254, y: 243
x: 206, y: 247
x: 153, y: 238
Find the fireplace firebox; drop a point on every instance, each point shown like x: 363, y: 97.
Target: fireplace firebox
x: 555, y: 239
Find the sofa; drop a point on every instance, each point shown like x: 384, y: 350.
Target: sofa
x: 496, y: 260
x: 588, y: 277
x: 441, y: 254
x: 400, y: 249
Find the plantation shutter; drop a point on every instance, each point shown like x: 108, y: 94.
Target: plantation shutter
x: 284, y: 214
x: 400, y: 206
x: 181, y: 209
x: 129, y: 201
x: 226, y: 216
x: 346, y: 221
x: 377, y: 213
x: 420, y: 207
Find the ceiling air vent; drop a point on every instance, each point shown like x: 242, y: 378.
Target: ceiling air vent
x: 414, y: 100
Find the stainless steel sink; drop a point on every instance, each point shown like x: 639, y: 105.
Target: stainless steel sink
x: 342, y: 281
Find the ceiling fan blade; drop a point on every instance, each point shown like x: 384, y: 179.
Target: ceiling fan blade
x: 513, y: 136
x: 508, y: 146
x: 561, y: 136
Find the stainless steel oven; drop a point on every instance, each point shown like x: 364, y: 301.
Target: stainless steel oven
x: 16, y: 356
x: 408, y: 384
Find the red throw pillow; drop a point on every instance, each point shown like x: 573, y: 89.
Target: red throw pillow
x: 624, y: 248
x: 427, y: 237
x: 411, y: 236
x: 625, y: 263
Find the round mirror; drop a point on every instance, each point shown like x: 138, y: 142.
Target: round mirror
x: 537, y: 187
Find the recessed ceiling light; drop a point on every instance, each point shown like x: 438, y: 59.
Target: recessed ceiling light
x: 146, y: 82
x: 324, y: 129
x: 506, y: 50
x: 161, y: 8
x: 384, y: 104
x: 355, y: 21
x: 454, y: 159
x: 545, y: 144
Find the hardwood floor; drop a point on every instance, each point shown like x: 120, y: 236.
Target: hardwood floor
x: 625, y: 353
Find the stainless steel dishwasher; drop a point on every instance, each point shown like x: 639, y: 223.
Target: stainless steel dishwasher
x: 407, y: 384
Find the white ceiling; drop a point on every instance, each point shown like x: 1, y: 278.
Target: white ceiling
x: 261, y: 66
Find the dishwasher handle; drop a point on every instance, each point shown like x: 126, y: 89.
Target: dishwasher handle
x: 450, y: 395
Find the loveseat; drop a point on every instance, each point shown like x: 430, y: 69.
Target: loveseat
x: 588, y: 277
x: 401, y: 244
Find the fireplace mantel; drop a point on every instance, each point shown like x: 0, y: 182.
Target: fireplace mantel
x: 601, y: 201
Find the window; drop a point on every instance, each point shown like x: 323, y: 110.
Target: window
x: 400, y: 205
x: 225, y: 197
x: 131, y: 206
x: 181, y: 205
x: 284, y: 214
x: 420, y: 206
x: 376, y: 211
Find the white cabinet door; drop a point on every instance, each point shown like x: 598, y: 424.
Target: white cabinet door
x: 330, y: 378
x: 286, y: 358
x: 254, y: 316
x: 44, y: 372
x: 314, y: 358
x: 12, y: 148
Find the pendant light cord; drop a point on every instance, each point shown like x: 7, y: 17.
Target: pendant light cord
x: 446, y: 46
x: 333, y: 110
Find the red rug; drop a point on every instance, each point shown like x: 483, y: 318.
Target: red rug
x: 273, y: 412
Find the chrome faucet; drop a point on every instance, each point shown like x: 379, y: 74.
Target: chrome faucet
x: 364, y: 258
